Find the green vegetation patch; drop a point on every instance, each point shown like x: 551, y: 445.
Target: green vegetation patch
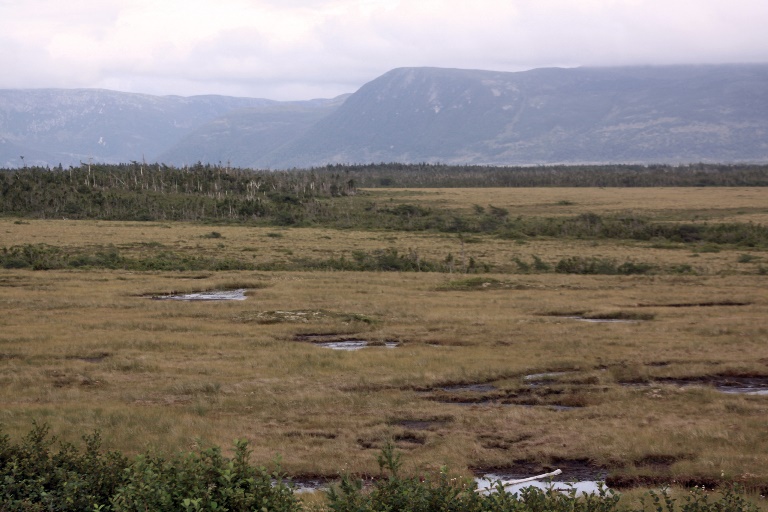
x: 594, y: 266
x: 331, y: 198
x: 36, y: 476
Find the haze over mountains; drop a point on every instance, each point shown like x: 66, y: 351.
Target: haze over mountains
x: 671, y: 114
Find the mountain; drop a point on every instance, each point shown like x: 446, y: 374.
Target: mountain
x: 52, y: 126
x: 669, y: 114
x: 248, y: 137
x: 637, y: 114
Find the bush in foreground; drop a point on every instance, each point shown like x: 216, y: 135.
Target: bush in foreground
x: 34, y: 477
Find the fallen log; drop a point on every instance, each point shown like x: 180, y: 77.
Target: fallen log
x: 510, y: 483
x: 531, y: 479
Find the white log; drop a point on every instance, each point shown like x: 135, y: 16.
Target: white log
x: 509, y: 483
x: 531, y: 479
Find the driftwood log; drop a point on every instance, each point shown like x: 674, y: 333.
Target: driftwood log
x: 509, y: 483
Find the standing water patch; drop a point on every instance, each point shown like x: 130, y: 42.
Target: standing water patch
x: 537, y: 379
x: 753, y: 385
x: 571, y: 475
x: 611, y: 317
x: 350, y: 345
x: 334, y: 342
x: 487, y: 483
x: 470, y: 388
x: 215, y: 295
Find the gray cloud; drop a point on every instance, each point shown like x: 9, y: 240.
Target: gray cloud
x: 300, y: 49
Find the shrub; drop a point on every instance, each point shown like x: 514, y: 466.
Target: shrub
x: 33, y: 477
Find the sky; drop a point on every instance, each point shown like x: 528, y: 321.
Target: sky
x: 303, y: 49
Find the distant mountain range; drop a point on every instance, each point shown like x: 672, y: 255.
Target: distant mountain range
x: 670, y: 114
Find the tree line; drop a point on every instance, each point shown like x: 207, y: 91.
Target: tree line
x: 317, y: 196
x: 620, y: 175
x: 139, y: 191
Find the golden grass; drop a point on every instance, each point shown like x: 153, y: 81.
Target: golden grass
x: 85, y: 350
x: 737, y: 204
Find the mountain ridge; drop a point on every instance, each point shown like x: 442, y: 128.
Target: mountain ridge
x: 650, y: 114
x: 546, y: 116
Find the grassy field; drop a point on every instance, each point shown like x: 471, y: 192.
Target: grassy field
x: 638, y: 398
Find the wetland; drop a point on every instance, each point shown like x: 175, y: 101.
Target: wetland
x: 469, y: 351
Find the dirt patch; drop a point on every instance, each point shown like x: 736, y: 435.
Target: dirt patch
x: 407, y: 440
x: 499, y: 442
x: 660, y: 462
x: 489, y: 395
x: 301, y: 316
x: 416, y: 424
x: 713, y: 304
x: 92, y: 358
x: 740, y: 385
x: 430, y: 423
x: 470, y: 388
x: 598, y: 320
x: 607, y: 317
x: 750, y: 385
x: 311, y: 434
x: 320, y: 337
x: 410, y: 438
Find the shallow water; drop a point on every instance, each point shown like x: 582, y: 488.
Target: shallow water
x: 583, y: 487
x: 350, y: 345
x: 544, y: 376
x: 308, y: 486
x: 744, y: 391
x: 601, y: 320
x: 206, y: 296
x: 485, y: 484
x: 755, y: 386
x: 467, y: 388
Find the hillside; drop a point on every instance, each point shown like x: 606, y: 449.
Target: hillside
x: 546, y: 116
x: 672, y: 114
x: 52, y: 126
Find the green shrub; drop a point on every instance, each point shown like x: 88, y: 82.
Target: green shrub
x: 34, y: 477
x: 595, y: 266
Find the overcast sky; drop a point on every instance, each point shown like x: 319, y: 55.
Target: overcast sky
x: 302, y: 49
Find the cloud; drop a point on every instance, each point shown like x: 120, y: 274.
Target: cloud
x: 296, y: 49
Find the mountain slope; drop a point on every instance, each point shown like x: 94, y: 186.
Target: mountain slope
x: 247, y: 137
x: 655, y: 114
x: 68, y: 126
x: 671, y: 114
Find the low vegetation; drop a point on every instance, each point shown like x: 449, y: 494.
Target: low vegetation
x: 616, y: 333
x: 38, y: 477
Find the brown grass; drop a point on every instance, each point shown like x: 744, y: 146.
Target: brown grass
x: 85, y: 350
